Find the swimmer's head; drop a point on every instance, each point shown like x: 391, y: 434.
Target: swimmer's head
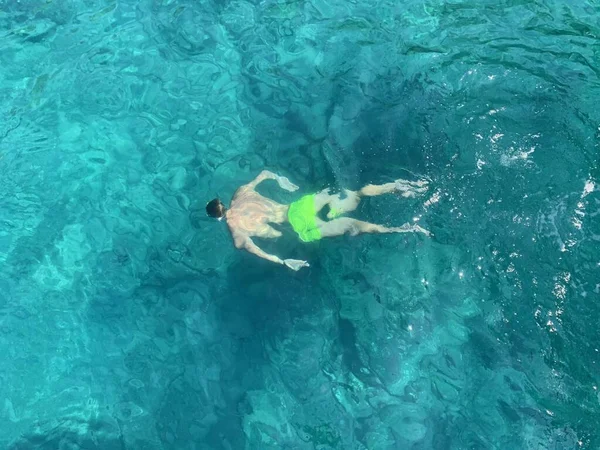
x: 215, y: 209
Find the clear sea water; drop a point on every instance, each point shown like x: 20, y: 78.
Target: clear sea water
x: 129, y: 321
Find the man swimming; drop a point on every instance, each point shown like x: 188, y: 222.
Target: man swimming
x: 250, y: 214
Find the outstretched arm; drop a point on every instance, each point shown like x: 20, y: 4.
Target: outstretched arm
x: 283, y: 182
x: 248, y: 244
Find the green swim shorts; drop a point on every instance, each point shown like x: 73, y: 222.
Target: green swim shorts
x: 302, y: 214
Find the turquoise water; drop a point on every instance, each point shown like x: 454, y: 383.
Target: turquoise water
x: 129, y: 321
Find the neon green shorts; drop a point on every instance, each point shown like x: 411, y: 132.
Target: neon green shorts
x: 303, y: 218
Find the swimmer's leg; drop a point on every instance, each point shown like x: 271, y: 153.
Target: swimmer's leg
x: 353, y: 227
x: 338, y: 203
x: 402, y: 187
x: 348, y: 201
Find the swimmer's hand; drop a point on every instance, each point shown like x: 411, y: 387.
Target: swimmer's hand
x: 295, y: 264
x: 286, y: 184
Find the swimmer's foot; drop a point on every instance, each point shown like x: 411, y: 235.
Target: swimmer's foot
x: 408, y: 228
x: 411, y: 188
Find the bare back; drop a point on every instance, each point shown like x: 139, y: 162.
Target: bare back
x: 250, y: 214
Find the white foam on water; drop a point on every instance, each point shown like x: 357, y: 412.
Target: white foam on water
x: 588, y: 188
x: 433, y: 199
x: 577, y: 219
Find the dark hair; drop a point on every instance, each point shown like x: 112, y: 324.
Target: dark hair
x: 215, y: 208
